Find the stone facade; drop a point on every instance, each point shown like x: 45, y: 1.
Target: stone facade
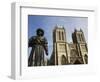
x: 68, y: 53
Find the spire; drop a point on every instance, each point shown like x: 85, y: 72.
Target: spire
x: 81, y: 30
x: 75, y: 30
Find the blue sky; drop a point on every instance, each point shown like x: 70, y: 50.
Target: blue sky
x: 47, y: 23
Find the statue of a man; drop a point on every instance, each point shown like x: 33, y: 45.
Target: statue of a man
x: 39, y: 45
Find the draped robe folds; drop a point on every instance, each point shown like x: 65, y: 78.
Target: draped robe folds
x: 39, y: 45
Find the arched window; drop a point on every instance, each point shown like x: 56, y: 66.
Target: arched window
x: 62, y: 35
x: 59, y: 35
x: 86, y: 58
x: 63, y: 60
x: 79, y: 37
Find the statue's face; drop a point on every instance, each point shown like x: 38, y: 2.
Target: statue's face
x: 40, y: 32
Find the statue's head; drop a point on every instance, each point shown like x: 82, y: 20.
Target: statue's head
x: 40, y: 32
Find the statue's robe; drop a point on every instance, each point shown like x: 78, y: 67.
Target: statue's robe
x: 39, y: 45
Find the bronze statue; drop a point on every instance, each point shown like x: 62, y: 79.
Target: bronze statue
x: 39, y: 44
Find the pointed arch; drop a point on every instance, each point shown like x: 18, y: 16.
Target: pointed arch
x: 77, y: 62
x: 86, y: 58
x: 63, y: 60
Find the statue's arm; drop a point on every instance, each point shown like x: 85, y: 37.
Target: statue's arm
x: 31, y: 42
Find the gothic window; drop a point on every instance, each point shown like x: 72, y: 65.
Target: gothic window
x: 86, y: 58
x: 79, y: 37
x: 62, y: 35
x: 59, y: 35
x: 63, y: 60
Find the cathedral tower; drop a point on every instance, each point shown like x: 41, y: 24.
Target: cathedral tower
x: 60, y: 46
x: 81, y: 45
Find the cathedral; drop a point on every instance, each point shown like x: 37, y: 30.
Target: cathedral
x: 65, y: 53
